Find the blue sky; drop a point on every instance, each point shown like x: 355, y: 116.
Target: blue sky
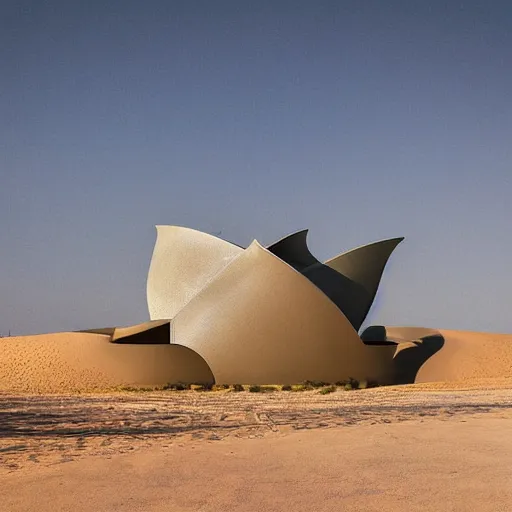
x: 361, y: 120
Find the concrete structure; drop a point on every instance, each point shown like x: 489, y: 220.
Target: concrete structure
x: 269, y: 315
x: 350, y: 279
x: 227, y: 314
x: 183, y: 262
x: 260, y: 321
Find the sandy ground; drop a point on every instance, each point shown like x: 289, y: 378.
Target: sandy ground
x: 464, y: 354
x: 423, y: 447
x: 86, y: 362
x: 469, y: 355
x: 73, y: 362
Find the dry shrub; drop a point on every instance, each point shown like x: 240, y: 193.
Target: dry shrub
x: 327, y: 390
x: 202, y: 387
x: 315, y: 384
x: 301, y: 387
x: 220, y: 387
x: 256, y: 388
x: 178, y: 386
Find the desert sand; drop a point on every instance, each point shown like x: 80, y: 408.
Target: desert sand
x: 469, y: 355
x: 421, y: 447
x: 82, y: 362
x: 77, y: 362
x: 460, y: 355
x: 442, y: 443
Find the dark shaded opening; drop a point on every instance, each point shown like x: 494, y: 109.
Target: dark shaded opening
x: 375, y: 335
x: 160, y: 335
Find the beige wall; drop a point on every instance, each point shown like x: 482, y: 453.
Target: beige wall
x: 260, y: 321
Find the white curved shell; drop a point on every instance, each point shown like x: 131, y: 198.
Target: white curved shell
x: 183, y: 261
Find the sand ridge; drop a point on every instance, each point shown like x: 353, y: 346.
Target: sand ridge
x: 77, y: 362
x: 463, y: 355
x: 88, y: 361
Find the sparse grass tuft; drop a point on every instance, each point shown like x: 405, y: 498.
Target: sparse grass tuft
x: 307, y: 385
x: 220, y: 387
x: 178, y: 386
x: 315, y: 383
x: 351, y: 384
x: 256, y: 388
x: 301, y: 387
x: 327, y: 390
x: 202, y: 387
x: 134, y: 389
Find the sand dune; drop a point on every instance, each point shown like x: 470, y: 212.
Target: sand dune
x: 85, y: 361
x: 447, y: 356
x: 409, y: 333
x: 67, y: 362
x: 469, y: 355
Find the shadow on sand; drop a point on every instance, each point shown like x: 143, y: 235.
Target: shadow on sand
x: 410, y: 354
x: 409, y: 360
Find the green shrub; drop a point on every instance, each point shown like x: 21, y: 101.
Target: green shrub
x: 256, y: 388
x: 315, y: 384
x: 301, y: 387
x: 202, y: 387
x: 351, y: 384
x: 220, y: 387
x: 238, y: 387
x: 286, y: 387
x: 178, y: 386
x: 327, y: 390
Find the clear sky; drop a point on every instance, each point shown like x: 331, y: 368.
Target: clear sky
x: 359, y: 119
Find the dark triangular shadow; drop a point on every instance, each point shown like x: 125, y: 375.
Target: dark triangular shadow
x: 293, y: 249
x: 410, y: 359
x: 350, y: 297
x: 410, y: 353
x: 155, y: 332
x: 350, y: 279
